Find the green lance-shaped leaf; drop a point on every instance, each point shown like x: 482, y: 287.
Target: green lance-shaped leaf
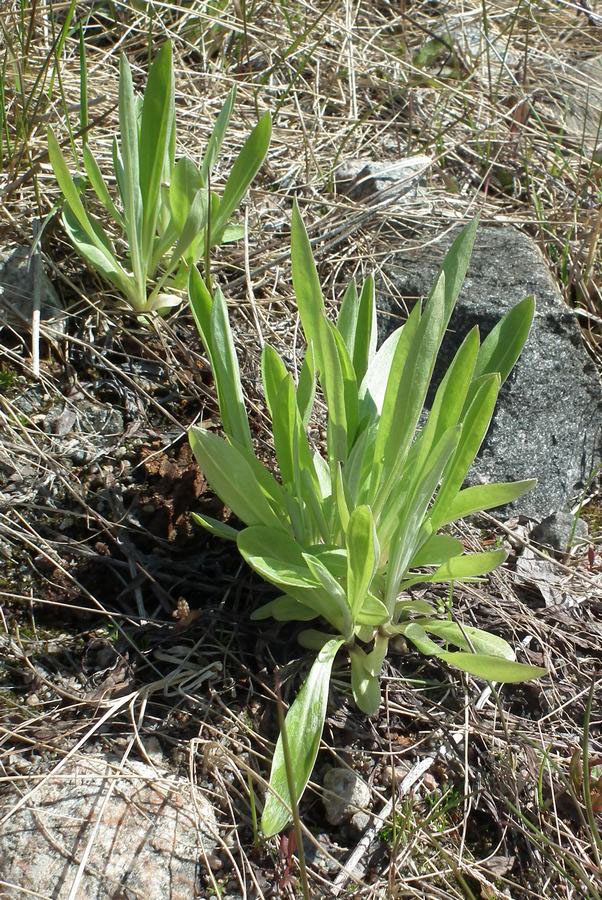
x: 306, y: 388
x: 227, y: 373
x: 341, y: 499
x: 347, y: 318
x: 215, y: 527
x: 72, y: 196
x: 364, y: 346
x: 468, y: 638
x: 504, y: 343
x: 339, y: 614
x: 397, y: 428
x: 285, y: 609
x: 156, y: 127
x: 312, y: 639
x: 373, y: 612
x: 362, y: 556
x: 458, y: 568
x: 118, y: 167
x: 358, y: 468
x: 195, y: 223
x: 242, y: 174
x: 356, y: 325
x: 474, y: 428
x: 282, y: 405
x: 217, y: 136
x: 406, y: 538
x: 333, y: 385
x: 483, y: 496
x: 304, y: 725
x: 454, y: 268
x: 131, y: 196
x: 185, y: 184
x: 331, y: 359
x: 308, y: 292
x: 365, y: 685
x: 231, y: 477
x: 98, y: 255
x: 350, y: 389
x: 290, y: 442
x: 273, y: 373
x: 446, y: 411
x: 211, y: 318
x: 389, y: 428
x: 279, y: 558
x: 404, y: 401
x: 276, y: 556
x: 100, y: 187
x: 436, y: 550
x: 491, y: 668
x: 374, y: 383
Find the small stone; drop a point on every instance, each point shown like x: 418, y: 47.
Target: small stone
x: 577, y: 84
x: 144, y: 827
x: 6, y: 550
x: 429, y: 782
x: 351, y: 794
x: 79, y: 457
x: 21, y: 273
x: 398, y: 644
x: 212, y: 861
x: 362, y: 179
x: 230, y: 839
x: 556, y: 530
x: 360, y: 821
x: 484, y: 48
x: 317, y: 858
x: 395, y: 773
x: 19, y: 763
x: 154, y: 751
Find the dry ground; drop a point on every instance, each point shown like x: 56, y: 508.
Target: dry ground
x: 103, y: 574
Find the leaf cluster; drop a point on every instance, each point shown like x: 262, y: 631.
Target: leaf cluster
x: 166, y: 213
x: 345, y: 536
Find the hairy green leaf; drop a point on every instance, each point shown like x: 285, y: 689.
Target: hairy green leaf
x: 304, y: 724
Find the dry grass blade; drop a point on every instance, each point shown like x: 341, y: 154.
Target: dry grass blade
x: 120, y: 623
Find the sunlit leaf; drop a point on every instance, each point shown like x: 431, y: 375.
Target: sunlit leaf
x: 304, y: 724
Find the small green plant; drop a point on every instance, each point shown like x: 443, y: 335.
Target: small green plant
x: 7, y: 378
x: 167, y: 213
x: 346, y: 537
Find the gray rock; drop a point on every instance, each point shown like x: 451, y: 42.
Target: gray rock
x: 557, y: 529
x: 322, y: 854
x: 100, y: 422
x: 548, y: 422
x: 360, y: 821
x: 362, y: 179
x: 351, y: 794
x: 145, y: 830
x: 578, y: 100
x: 485, y: 50
x: 396, y: 774
x: 20, y: 274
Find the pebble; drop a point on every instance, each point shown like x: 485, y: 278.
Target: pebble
x: 395, y: 774
x: 557, y: 529
x: 351, y: 794
x: 360, y: 821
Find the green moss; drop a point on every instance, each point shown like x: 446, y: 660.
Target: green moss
x: 592, y: 513
x: 7, y: 378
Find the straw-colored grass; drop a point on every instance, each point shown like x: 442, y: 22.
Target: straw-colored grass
x: 501, y: 815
